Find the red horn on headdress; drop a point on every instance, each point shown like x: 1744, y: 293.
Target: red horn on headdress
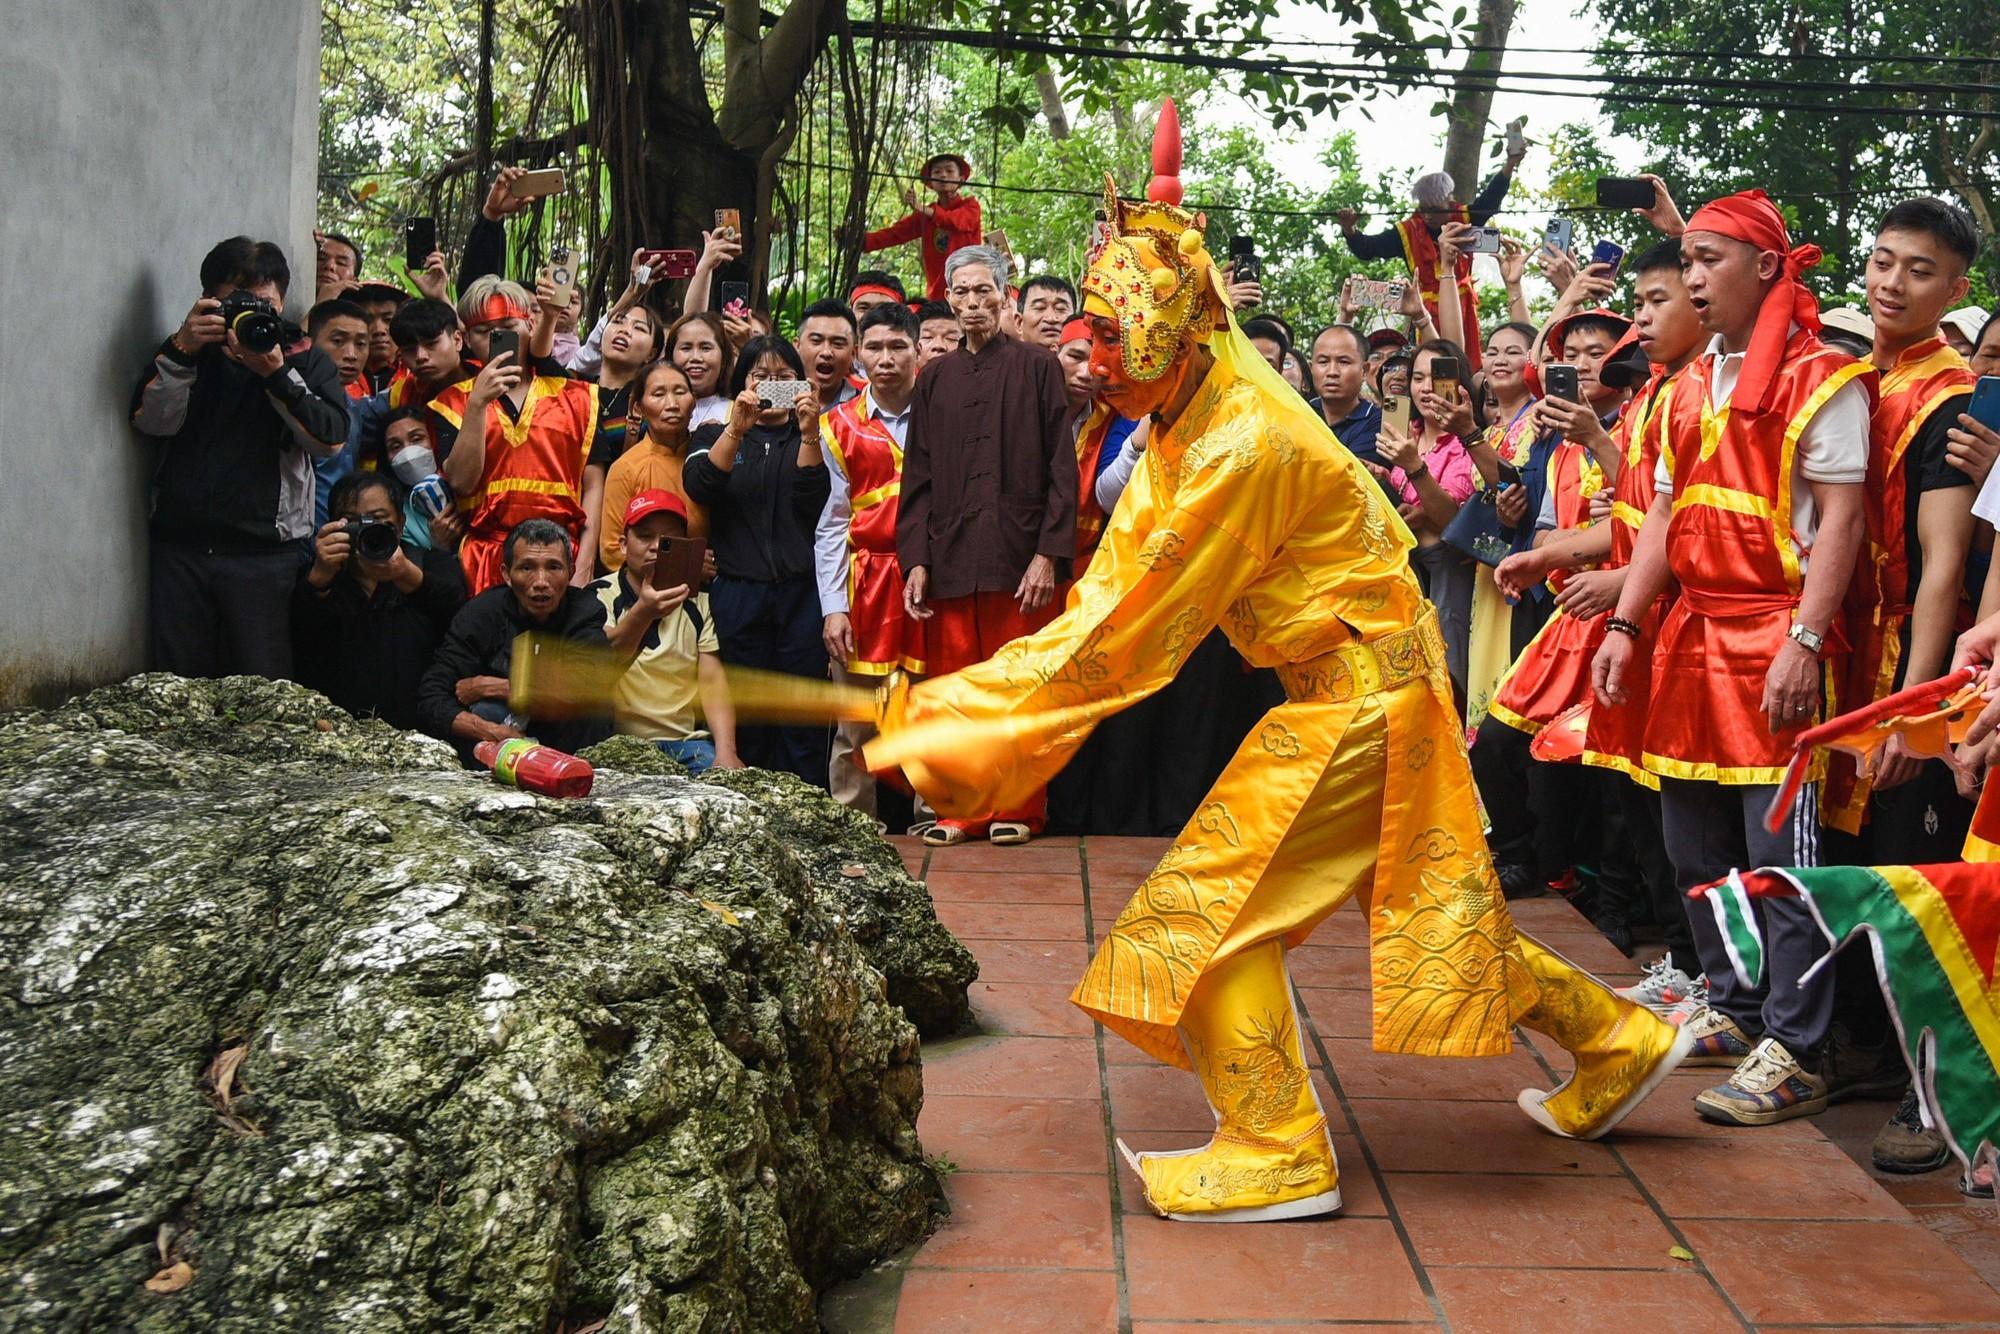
x: 1165, y: 187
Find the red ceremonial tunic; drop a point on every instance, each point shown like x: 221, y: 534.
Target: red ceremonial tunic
x: 534, y: 468
x: 1732, y: 548
x: 1553, y: 671
x: 1616, y: 735
x: 1877, y: 610
x: 1090, y: 516
x: 951, y: 225
x: 1421, y: 251
x: 885, y: 638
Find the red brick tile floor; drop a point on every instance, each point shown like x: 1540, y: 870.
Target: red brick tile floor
x: 1460, y: 1215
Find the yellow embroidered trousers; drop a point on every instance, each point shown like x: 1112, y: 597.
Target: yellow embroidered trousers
x: 1358, y: 784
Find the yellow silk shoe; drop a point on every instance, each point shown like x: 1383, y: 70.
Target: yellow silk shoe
x: 1622, y: 1049
x: 1271, y: 1156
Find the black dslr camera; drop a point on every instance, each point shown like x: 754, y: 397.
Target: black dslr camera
x: 375, y: 540
x: 257, y: 326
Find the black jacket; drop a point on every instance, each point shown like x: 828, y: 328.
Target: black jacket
x: 481, y: 643
x: 368, y: 654
x: 761, y: 513
x: 235, y: 472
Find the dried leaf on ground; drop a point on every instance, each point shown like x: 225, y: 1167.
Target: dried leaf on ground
x: 171, y: 1279
x: 221, y: 1074
x: 1681, y: 1253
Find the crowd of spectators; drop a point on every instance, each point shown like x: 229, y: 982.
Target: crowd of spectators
x: 382, y: 503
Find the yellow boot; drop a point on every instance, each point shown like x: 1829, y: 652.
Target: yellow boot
x: 1622, y: 1049
x: 1271, y: 1156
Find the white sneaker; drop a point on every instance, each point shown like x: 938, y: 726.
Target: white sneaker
x: 1689, y: 1005
x: 1662, y: 988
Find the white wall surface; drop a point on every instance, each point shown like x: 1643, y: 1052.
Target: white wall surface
x: 138, y: 134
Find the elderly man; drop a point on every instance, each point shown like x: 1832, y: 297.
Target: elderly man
x: 988, y: 519
x: 1248, y: 514
x: 1414, y: 240
x: 1046, y: 304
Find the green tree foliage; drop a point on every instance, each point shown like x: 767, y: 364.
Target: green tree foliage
x: 1833, y: 164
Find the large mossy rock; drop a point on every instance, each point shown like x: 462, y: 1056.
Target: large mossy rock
x: 316, y: 1031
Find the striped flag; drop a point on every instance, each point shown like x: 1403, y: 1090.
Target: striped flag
x: 1933, y: 932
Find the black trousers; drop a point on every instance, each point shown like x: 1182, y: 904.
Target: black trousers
x: 217, y: 613
x: 1645, y: 837
x: 1544, y: 816
x: 774, y: 627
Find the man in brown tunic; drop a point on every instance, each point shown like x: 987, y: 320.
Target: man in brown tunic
x: 988, y: 508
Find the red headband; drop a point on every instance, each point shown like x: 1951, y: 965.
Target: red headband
x: 1753, y: 219
x: 1075, y: 329
x: 874, y: 289
x: 495, y: 308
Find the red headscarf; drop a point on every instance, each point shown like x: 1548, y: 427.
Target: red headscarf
x: 1752, y: 218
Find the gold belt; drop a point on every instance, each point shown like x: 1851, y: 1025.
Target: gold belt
x: 1354, y: 671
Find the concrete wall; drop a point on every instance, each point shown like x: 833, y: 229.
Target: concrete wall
x: 137, y: 134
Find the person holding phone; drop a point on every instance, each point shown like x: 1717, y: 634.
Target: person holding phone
x: 1501, y: 456
x: 673, y: 683
x: 523, y: 433
x: 763, y: 480
x: 1414, y: 240
x: 1431, y: 474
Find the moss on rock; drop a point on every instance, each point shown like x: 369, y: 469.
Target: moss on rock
x: 366, y: 1041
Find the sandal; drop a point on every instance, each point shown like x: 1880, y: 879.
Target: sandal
x: 920, y: 828
x: 1009, y: 833
x: 943, y: 835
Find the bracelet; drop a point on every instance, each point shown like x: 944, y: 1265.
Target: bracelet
x: 1423, y: 470
x: 1618, y: 625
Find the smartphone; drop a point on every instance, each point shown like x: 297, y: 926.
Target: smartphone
x: 678, y: 562
x: 734, y: 297
x: 1485, y: 241
x: 1445, y: 377
x: 535, y: 184
x: 420, y: 238
x: 672, y: 263
x: 1396, y: 412
x: 1561, y: 234
x: 1509, y: 475
x: 1608, y: 252
x: 1561, y: 381
x: 729, y: 222
x: 1243, y: 257
x: 1985, y: 405
x: 1626, y: 192
x: 782, y: 393
x: 504, y: 340
x: 562, y: 274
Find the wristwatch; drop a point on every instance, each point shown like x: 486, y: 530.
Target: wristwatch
x: 1808, y: 640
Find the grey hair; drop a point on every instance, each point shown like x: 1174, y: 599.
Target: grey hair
x: 1433, y: 190
x: 985, y: 256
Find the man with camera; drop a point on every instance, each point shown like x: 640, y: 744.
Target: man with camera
x: 241, y: 405
x: 370, y: 611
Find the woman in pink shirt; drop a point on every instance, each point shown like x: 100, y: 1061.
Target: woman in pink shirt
x: 1434, y: 476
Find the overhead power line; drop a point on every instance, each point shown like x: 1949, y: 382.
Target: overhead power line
x: 1327, y: 215
x: 1404, y: 77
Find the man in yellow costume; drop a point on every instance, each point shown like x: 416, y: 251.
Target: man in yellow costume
x: 1247, y: 513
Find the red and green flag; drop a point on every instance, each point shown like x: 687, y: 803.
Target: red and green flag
x: 1933, y: 932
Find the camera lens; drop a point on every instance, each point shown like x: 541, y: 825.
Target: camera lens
x: 375, y: 541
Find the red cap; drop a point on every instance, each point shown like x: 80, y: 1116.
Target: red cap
x: 1560, y: 329
x: 964, y: 167
x: 653, y: 502
x: 1075, y: 329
